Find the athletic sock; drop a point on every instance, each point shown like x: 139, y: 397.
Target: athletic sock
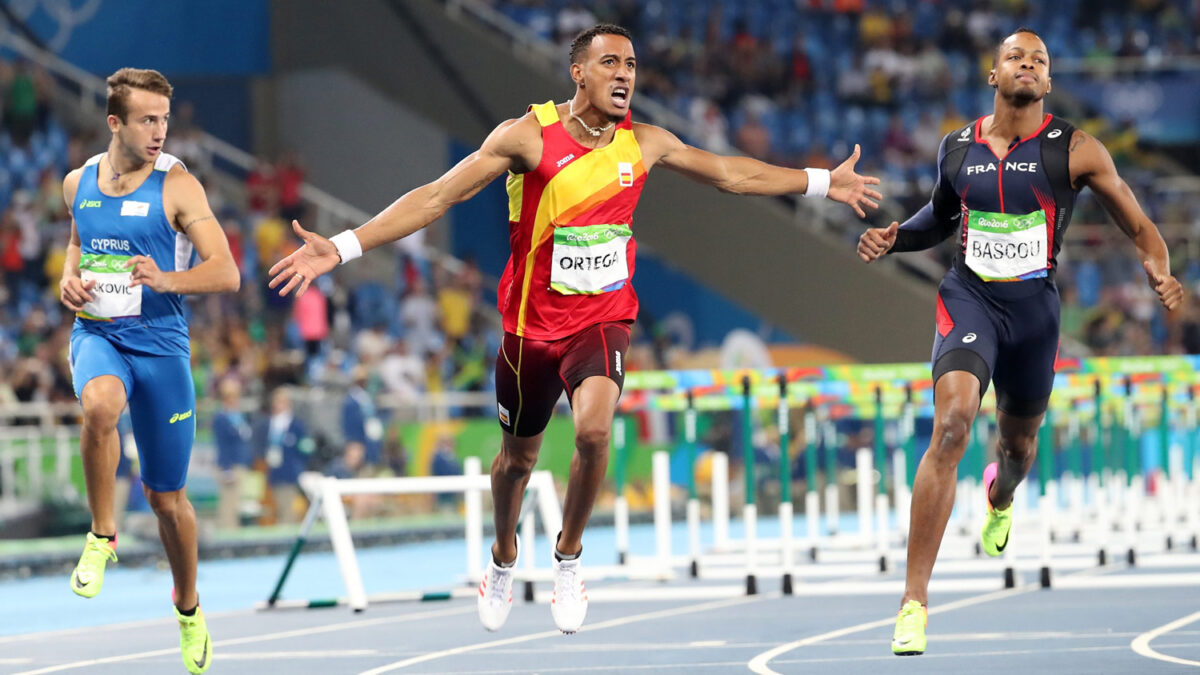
x: 190, y: 612
x: 112, y: 538
x: 563, y: 557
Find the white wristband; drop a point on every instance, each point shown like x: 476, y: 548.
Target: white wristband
x: 818, y: 183
x: 347, y: 244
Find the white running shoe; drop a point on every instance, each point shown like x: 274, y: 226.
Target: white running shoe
x: 569, y: 604
x: 495, y: 593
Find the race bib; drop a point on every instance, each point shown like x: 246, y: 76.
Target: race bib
x: 1006, y: 247
x: 112, y: 296
x: 590, y: 260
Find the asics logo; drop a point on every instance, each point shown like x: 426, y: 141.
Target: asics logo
x: 617, y: 358
x: 969, y: 338
x: 966, y: 133
x: 1054, y: 134
x: 179, y: 417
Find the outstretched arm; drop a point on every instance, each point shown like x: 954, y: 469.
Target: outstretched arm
x: 1092, y: 166
x: 514, y: 145
x: 747, y: 176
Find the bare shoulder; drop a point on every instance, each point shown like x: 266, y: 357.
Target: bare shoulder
x: 71, y: 185
x: 181, y: 184
x: 1088, y: 158
x: 517, y: 140
x: 655, y: 142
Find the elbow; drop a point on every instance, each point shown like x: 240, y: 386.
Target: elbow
x: 232, y: 279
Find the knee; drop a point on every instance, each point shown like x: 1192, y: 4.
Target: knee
x: 101, y: 408
x: 164, y: 504
x: 593, y: 439
x: 516, y: 464
x: 1016, y: 446
x: 950, y: 435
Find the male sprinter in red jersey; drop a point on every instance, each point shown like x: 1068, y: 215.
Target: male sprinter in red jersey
x: 576, y: 170
x: 1010, y: 179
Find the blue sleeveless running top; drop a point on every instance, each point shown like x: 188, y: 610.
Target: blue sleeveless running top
x: 111, y: 231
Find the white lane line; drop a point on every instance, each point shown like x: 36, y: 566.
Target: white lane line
x: 1141, y: 644
x: 300, y: 632
x: 636, y: 618
x: 758, y: 664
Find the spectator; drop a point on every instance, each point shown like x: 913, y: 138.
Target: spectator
x: 231, y: 435
x: 361, y: 422
x: 283, y: 443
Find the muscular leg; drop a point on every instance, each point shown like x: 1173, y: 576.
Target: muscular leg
x: 956, y: 400
x: 593, y: 405
x: 510, y: 474
x: 103, y: 400
x: 177, y: 529
x: 1017, y: 449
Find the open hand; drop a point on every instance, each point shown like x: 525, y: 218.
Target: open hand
x: 850, y: 188
x: 317, y: 256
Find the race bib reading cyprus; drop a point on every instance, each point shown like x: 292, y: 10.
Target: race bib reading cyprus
x: 590, y: 260
x: 1006, y: 247
x: 113, y: 298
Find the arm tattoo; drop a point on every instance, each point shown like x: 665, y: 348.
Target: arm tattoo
x: 1077, y: 141
x: 193, y: 222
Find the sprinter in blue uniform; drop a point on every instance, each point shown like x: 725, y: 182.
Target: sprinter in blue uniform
x: 1009, y: 181
x: 138, y: 220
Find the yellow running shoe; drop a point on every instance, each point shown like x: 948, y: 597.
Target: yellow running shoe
x: 194, y: 641
x: 909, y: 638
x: 998, y: 523
x: 88, y: 576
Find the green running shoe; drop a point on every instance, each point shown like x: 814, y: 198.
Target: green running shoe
x: 88, y: 576
x: 999, y: 521
x: 909, y: 638
x: 194, y: 641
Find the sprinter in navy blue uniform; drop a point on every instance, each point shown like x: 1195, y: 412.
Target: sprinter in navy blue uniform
x: 137, y: 218
x: 1009, y: 182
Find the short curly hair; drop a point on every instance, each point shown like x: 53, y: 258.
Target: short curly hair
x: 580, y: 44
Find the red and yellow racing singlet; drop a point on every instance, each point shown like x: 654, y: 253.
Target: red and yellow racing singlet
x: 570, y: 221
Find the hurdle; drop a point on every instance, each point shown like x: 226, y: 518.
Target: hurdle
x: 1106, y: 404
x: 325, y: 495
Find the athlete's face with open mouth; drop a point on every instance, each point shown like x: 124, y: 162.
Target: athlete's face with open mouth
x: 609, y: 73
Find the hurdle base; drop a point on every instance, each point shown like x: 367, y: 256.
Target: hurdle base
x: 621, y: 557
x: 751, y: 585
x: 1170, y: 543
x: 694, y: 569
x: 1010, y: 578
x: 883, y: 564
x: 812, y: 552
x: 1195, y: 542
x: 528, y: 591
x: 1103, y: 557
x: 1045, y: 576
x: 1131, y: 557
x: 787, y: 584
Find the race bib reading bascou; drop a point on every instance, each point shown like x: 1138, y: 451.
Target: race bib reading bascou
x: 1006, y: 247
x: 590, y: 260
x: 113, y: 298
